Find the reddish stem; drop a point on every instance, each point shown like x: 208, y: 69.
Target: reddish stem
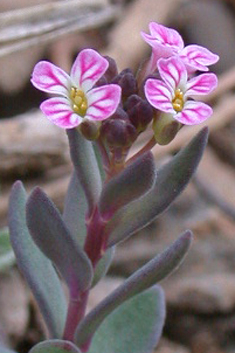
x: 76, y: 312
x: 149, y: 145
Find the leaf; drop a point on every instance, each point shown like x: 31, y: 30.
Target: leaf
x: 135, y: 327
x: 103, y: 265
x: 37, y: 269
x: 7, y: 257
x: 86, y: 167
x: 130, y: 184
x: 75, y: 209
x: 147, y: 276
x: 52, y: 237
x: 55, y: 346
x: 171, y: 179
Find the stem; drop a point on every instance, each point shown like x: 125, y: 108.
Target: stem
x: 76, y: 312
x: 149, y: 145
x: 104, y: 154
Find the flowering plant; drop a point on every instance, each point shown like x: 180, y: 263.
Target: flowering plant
x: 110, y: 196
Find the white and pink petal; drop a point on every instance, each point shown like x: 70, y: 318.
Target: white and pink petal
x: 88, y: 68
x: 159, y: 95
x: 103, y: 101
x: 166, y: 36
x: 60, y: 113
x: 49, y: 78
x: 196, y: 57
x: 194, y: 113
x: 173, y: 72
x: 201, y: 85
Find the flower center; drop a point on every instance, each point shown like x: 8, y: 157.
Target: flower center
x: 178, y: 100
x: 79, y: 101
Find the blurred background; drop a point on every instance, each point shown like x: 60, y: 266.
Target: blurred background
x: 201, y: 294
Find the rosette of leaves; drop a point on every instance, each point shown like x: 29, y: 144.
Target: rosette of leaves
x: 49, y: 249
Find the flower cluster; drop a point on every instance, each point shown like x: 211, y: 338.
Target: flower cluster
x: 176, y: 64
x: 117, y: 107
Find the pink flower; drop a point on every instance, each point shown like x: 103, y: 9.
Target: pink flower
x: 167, y: 42
x: 171, y: 95
x: 76, y: 100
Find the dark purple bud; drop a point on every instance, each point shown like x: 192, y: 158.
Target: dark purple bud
x: 118, y: 131
x: 112, y: 70
x: 127, y: 81
x: 139, y: 111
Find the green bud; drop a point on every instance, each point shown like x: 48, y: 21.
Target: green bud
x: 165, y: 128
x: 89, y: 129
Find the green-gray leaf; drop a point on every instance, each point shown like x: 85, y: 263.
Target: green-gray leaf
x: 7, y: 257
x: 171, y: 179
x: 55, y: 346
x: 147, y: 276
x: 86, y: 167
x: 135, y: 327
x: 37, y: 268
x: 54, y: 240
x: 129, y: 185
x: 75, y: 210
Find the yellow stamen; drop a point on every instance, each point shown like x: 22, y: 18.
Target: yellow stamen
x: 178, y: 100
x: 79, y: 101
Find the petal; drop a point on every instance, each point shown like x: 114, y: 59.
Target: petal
x: 166, y: 36
x: 103, y: 101
x: 59, y: 112
x: 194, y: 113
x: 202, y: 84
x: 159, y: 95
x: 49, y: 78
x: 88, y: 68
x: 198, y: 58
x: 173, y: 72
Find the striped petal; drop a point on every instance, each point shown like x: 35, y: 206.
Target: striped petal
x: 164, y: 36
x: 49, y: 78
x: 88, y: 68
x: 194, y: 113
x: 196, y: 57
x: 173, y: 72
x: 159, y: 95
x: 59, y: 112
x: 103, y: 101
x: 201, y: 85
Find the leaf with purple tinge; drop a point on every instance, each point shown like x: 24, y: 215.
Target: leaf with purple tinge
x: 134, y: 327
x: 55, y: 346
x: 171, y: 179
x: 54, y: 240
x: 86, y: 167
x: 151, y: 273
x: 130, y: 184
x: 35, y: 266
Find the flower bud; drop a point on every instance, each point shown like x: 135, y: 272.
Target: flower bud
x: 165, y: 128
x: 139, y: 111
x: 112, y: 70
x: 118, y: 131
x: 127, y: 81
x: 90, y: 129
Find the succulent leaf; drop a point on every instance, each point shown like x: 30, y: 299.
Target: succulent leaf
x: 130, y: 184
x: 171, y: 179
x: 86, y: 167
x: 147, y: 276
x: 55, y: 346
x: 135, y: 326
x: 35, y: 266
x: 54, y: 240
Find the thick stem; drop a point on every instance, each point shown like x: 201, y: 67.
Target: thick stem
x: 76, y: 312
x: 149, y: 145
x: 94, y: 239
